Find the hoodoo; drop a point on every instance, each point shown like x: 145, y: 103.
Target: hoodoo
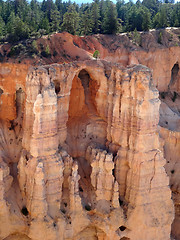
x: 89, y: 159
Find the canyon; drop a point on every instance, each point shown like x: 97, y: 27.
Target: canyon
x: 90, y: 148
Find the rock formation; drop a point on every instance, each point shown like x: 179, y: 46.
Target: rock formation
x: 90, y: 165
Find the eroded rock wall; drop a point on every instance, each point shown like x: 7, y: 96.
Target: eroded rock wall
x: 91, y: 163
x: 171, y: 152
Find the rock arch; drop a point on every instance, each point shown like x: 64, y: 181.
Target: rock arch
x: 84, y: 123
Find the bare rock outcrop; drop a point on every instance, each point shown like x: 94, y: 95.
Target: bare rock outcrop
x: 90, y: 165
x: 171, y: 151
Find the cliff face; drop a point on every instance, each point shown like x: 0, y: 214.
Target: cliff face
x: 90, y: 163
x: 80, y: 142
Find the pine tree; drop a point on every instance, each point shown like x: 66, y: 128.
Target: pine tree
x: 70, y: 20
x: 45, y: 24
x: 55, y: 20
x: 160, y: 19
x: 86, y: 22
x: 151, y: 5
x: 95, y: 17
x: 59, y: 5
x: 47, y: 7
x: 102, y: 7
x: 2, y: 27
x: 146, y: 24
x: 16, y: 29
x: 110, y: 22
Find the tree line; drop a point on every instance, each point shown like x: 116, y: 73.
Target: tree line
x: 21, y: 19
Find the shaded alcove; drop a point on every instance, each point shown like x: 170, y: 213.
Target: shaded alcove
x: 174, y: 73
x: 20, y: 97
x: 85, y: 127
x: 1, y: 92
x: 57, y: 86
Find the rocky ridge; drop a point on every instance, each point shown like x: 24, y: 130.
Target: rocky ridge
x: 91, y: 161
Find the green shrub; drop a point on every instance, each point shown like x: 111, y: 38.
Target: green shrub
x: 96, y: 54
x: 34, y: 47
x: 46, y: 53
x: 16, y: 50
x: 160, y: 38
x: 136, y: 37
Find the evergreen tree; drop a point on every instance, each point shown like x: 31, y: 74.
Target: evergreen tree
x: 16, y: 29
x: 2, y: 27
x: 70, y: 20
x: 160, y: 19
x: 55, y: 20
x: 110, y: 22
x: 152, y: 5
x: 45, y: 24
x: 175, y: 15
x: 7, y: 9
x: 86, y: 22
x: 95, y: 17
x: 21, y: 9
x: 102, y: 7
x: 146, y: 24
x: 47, y: 7
x: 20, y: 17
x: 34, y: 16
x: 59, y: 5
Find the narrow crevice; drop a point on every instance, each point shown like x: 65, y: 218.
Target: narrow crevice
x: 57, y: 86
x: 24, y: 211
x: 122, y: 228
x: 1, y: 92
x: 174, y: 74
x: 87, y: 192
x: 20, y: 97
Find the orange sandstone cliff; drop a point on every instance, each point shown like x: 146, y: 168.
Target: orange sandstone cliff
x: 84, y: 144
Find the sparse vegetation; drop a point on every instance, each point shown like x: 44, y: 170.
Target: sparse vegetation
x: 15, y: 50
x: 46, y: 53
x: 136, y: 37
x: 96, y: 54
x: 160, y: 38
x: 34, y: 46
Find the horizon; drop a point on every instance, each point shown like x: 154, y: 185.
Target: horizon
x: 90, y: 1
x: 87, y: 1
